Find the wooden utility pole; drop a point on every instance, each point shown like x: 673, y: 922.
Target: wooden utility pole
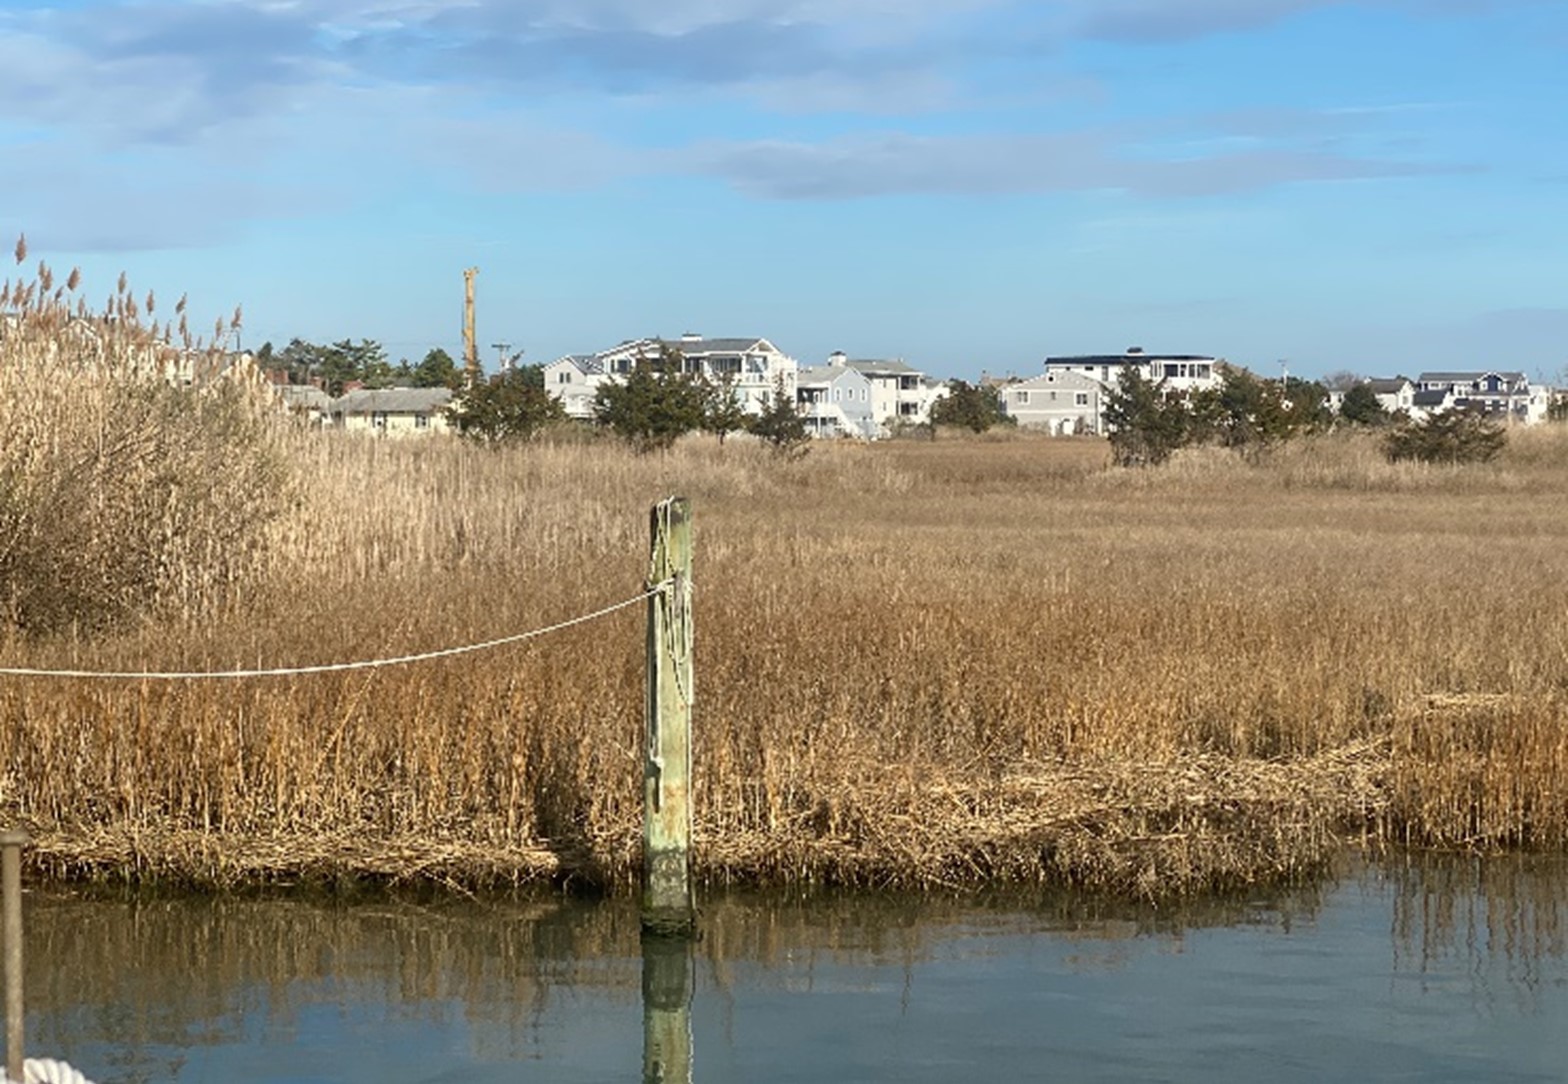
x: 470, y: 345
x: 667, y: 907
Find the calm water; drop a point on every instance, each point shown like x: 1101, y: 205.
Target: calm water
x: 1453, y: 971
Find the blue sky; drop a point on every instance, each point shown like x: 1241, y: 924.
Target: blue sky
x: 968, y: 184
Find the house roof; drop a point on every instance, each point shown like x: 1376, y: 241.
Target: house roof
x: 1390, y: 386
x: 1070, y: 380
x: 713, y: 346
x: 393, y: 401
x: 1124, y: 359
x: 303, y: 396
x: 823, y: 374
x: 1431, y: 398
x: 587, y: 364
x: 1467, y: 377
x: 876, y: 367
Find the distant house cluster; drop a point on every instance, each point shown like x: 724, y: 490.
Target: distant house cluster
x: 863, y: 399
x: 870, y: 399
x: 1504, y: 396
x: 1070, y: 396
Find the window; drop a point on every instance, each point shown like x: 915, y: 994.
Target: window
x: 1081, y: 398
x: 421, y: 421
x: 836, y: 394
x: 565, y: 377
x: 1021, y: 397
x: 379, y: 419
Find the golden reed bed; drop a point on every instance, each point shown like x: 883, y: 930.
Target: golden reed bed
x: 939, y: 663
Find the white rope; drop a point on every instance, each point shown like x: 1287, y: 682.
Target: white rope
x: 332, y: 667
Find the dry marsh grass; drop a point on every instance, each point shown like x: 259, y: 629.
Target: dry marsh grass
x: 940, y: 663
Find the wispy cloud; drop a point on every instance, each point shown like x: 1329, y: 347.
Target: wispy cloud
x: 894, y: 164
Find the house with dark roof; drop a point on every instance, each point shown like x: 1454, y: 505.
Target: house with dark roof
x: 752, y: 368
x: 1506, y: 396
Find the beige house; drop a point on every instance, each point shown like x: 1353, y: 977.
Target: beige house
x: 393, y: 412
x: 1062, y: 403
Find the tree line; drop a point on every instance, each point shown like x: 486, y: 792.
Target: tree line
x: 1148, y: 422
x: 337, y: 365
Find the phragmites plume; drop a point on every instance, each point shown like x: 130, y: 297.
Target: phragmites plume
x: 238, y: 318
x: 123, y: 285
x: 217, y: 329
x: 74, y: 279
x: 45, y: 277
x: 179, y: 306
x: 152, y: 303
x: 21, y: 248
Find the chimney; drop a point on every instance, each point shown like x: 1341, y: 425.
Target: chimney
x: 837, y: 359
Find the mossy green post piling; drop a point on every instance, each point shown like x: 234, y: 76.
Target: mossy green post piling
x: 667, y: 907
x: 11, y: 844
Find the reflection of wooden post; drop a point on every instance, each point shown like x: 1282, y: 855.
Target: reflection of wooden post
x: 11, y: 844
x: 666, y: 1010
x: 666, y: 895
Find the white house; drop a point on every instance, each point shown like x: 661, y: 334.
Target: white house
x: 1507, y: 396
x: 899, y: 392
x: 1178, y: 372
x: 393, y: 411
x: 835, y: 401
x: 753, y: 368
x: 574, y: 380
x: 1061, y: 403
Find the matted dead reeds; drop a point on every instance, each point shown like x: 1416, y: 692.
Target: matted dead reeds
x: 945, y: 663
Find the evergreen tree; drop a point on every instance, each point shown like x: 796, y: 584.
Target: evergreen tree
x: 1361, y: 407
x: 781, y: 424
x: 437, y: 370
x: 1146, y: 425
x: 1454, y: 436
x: 507, y: 408
x: 972, y: 406
x: 723, y: 413
x: 655, y: 405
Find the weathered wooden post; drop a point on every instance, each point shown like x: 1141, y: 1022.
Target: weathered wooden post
x: 667, y: 907
x: 11, y: 844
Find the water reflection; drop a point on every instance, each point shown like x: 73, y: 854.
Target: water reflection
x: 1394, y: 959
x: 666, y: 1010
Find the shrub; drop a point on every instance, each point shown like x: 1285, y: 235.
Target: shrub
x: 1455, y: 436
x: 510, y: 407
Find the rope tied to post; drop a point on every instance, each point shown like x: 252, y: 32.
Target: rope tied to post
x: 334, y: 667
